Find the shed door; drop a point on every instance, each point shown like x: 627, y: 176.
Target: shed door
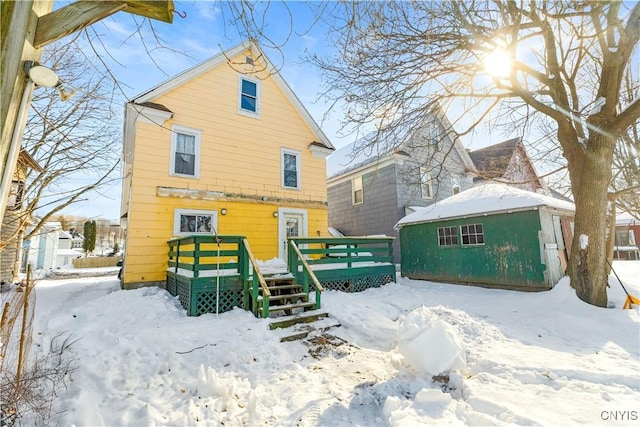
x: 552, y: 260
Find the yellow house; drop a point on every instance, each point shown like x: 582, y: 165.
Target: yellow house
x: 222, y: 148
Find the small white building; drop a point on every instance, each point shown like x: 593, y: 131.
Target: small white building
x: 51, y: 248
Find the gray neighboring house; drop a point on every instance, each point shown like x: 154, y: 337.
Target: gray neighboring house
x: 370, y: 190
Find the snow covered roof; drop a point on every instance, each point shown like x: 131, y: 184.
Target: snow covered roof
x: 483, y: 199
x: 625, y: 218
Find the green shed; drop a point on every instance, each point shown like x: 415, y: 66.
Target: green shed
x: 492, y: 235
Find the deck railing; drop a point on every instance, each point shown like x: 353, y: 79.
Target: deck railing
x: 307, y: 274
x: 197, y: 254
x: 344, y: 263
x: 254, y: 282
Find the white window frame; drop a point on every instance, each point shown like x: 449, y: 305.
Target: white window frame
x: 455, y: 183
x: 356, y: 185
x: 175, y: 130
x: 177, y: 215
x: 295, y: 153
x: 472, y: 233
x: 447, y: 236
x: 425, y: 184
x: 244, y: 112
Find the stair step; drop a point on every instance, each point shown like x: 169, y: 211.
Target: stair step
x: 284, y: 287
x: 289, y: 306
x: 307, y: 317
x: 283, y: 279
x: 301, y: 295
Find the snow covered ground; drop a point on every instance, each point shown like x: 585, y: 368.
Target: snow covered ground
x: 511, y: 358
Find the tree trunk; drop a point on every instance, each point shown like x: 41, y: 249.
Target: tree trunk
x: 588, y: 259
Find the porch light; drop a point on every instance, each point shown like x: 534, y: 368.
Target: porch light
x: 46, y: 77
x: 275, y: 214
x: 223, y: 211
x: 41, y: 75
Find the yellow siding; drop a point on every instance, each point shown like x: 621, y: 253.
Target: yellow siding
x: 239, y: 155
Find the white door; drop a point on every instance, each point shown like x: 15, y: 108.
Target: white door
x: 292, y: 223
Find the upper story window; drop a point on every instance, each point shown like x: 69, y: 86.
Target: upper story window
x: 290, y: 169
x: 455, y: 184
x: 249, y: 96
x: 426, y: 190
x: 15, y: 195
x: 356, y: 190
x: 433, y: 132
x: 185, y: 152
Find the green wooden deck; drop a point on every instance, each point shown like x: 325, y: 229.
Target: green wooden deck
x: 214, y: 274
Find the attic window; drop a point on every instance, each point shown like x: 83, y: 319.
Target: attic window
x: 455, y: 184
x: 249, y: 97
x: 248, y: 60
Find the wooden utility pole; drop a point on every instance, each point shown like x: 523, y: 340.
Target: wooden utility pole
x: 26, y: 26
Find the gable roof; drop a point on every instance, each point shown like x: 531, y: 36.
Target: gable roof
x: 492, y: 161
x: 146, y: 98
x: 28, y: 161
x: 485, y: 199
x: 349, y: 158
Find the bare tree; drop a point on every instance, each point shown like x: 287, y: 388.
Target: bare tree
x: 76, y: 141
x: 397, y: 60
x: 625, y: 183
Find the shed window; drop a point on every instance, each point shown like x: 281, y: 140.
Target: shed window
x: 356, y: 189
x: 447, y: 236
x: 472, y: 234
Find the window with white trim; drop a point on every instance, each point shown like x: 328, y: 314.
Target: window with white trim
x: 356, y: 191
x: 249, y: 96
x: 185, y: 152
x: 290, y: 169
x: 472, y: 234
x: 455, y: 184
x: 426, y: 190
x: 447, y: 236
x: 190, y: 221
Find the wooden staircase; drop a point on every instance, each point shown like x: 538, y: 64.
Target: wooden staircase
x: 287, y: 297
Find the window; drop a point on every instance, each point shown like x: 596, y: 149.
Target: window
x: 472, y: 234
x: 356, y: 189
x: 249, y: 102
x: 425, y: 184
x: 433, y: 132
x: 455, y: 184
x: 185, y: 152
x: 188, y: 222
x: 447, y: 236
x: 15, y: 195
x: 290, y: 169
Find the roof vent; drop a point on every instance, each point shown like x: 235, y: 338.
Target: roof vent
x: 248, y: 60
